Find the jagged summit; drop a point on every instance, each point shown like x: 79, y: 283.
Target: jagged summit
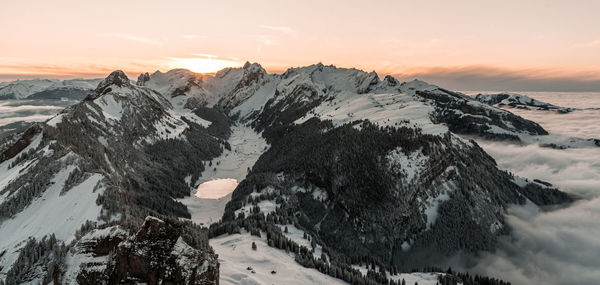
x: 253, y: 72
x: 391, y: 81
x: 117, y: 78
x: 142, y: 79
x: 252, y: 65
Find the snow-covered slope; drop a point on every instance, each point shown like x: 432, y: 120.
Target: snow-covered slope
x: 240, y: 264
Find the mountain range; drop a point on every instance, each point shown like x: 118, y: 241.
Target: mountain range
x: 47, y: 88
x: 357, y: 177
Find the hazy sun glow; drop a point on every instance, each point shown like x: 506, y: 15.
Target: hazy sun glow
x: 202, y: 65
x: 70, y: 38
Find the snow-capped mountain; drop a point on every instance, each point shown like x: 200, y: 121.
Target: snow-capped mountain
x: 518, y: 101
x: 362, y: 170
x: 102, y: 160
x: 47, y: 88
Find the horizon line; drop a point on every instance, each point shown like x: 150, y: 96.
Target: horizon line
x: 465, y: 78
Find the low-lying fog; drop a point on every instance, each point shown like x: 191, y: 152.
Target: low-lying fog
x: 21, y: 111
x: 560, y: 246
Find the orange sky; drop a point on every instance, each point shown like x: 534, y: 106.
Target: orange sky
x: 82, y: 38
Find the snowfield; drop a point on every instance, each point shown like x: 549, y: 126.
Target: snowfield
x: 246, y: 147
x: 382, y: 109
x: 236, y: 255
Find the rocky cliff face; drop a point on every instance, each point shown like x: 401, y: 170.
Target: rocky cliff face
x: 156, y: 254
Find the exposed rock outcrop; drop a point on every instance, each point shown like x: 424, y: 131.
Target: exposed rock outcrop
x: 156, y: 254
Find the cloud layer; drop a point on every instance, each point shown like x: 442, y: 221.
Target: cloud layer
x: 492, y: 78
x: 551, y: 247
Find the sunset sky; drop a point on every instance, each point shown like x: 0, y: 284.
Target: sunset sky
x: 536, y: 45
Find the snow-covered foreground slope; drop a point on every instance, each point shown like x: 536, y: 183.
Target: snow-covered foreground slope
x: 236, y: 256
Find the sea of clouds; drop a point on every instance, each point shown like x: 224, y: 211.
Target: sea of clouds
x: 12, y: 111
x: 560, y: 246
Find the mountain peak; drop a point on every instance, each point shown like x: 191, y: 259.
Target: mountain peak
x: 142, y: 79
x: 391, y: 81
x: 252, y: 66
x: 116, y: 77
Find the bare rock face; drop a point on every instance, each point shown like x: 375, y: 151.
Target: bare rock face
x: 117, y: 78
x: 156, y: 254
x: 142, y: 79
x: 21, y: 143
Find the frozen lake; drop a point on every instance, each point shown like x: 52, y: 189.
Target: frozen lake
x: 216, y: 189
